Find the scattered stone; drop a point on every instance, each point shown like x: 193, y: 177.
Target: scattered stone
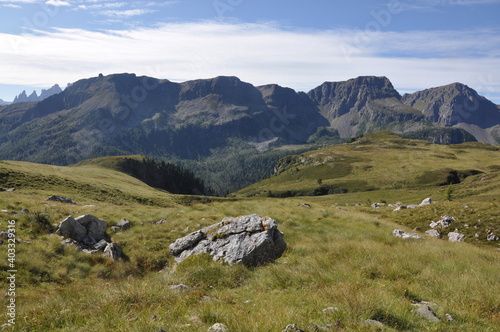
x: 162, y: 221
x: 24, y: 211
x: 305, y: 205
x: 61, y: 199
x: 116, y: 228
x: 425, y: 202
x: 187, y: 229
x: 330, y: 310
x: 448, y: 317
x: 477, y: 236
x: 114, y: 251
x: 399, y: 208
x: 11, y: 189
x: 124, y: 224
x: 433, y: 233
x: 69, y: 242
x: 411, y: 206
x: 292, y: 328
x: 426, y: 312
x: 218, y: 327
x: 444, y: 222
x: 377, y: 205
x: 250, y: 240
x: 180, y: 287
x: 493, y: 237
x: 248, y: 301
x: 4, y: 211
x: 374, y: 322
x: 404, y: 235
x: 133, y: 319
x: 456, y: 237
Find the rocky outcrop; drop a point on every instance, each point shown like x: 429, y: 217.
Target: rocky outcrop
x: 86, y: 229
x: 88, y: 233
x: 61, y: 199
x: 250, y: 240
x: 23, y: 97
x: 433, y: 233
x: 444, y: 222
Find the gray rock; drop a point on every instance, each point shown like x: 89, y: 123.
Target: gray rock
x: 162, y: 221
x: 114, y: 251
x: 61, y: 199
x: 377, y: 205
x: 444, y: 222
x: 124, y: 224
x: 493, y: 237
x: 449, y: 318
x: 374, y: 322
x: 305, y: 205
x: 116, y: 228
x: 218, y: 327
x: 399, y: 208
x: 101, y: 245
x: 180, y: 287
x: 426, y: 312
x: 250, y: 240
x: 404, y: 235
x: 11, y: 189
x: 456, y: 237
x: 411, y: 206
x: 24, y: 211
x: 292, y: 328
x: 72, y: 229
x: 433, y: 233
x: 425, y: 202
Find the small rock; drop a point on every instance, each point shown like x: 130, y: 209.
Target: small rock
x: 493, y: 237
x: 292, y: 328
x: 426, y: 201
x: 11, y: 189
x: 248, y: 301
x: 218, y: 327
x: 154, y: 317
x: 399, y: 208
x: 433, y: 233
x: 186, y: 230
x: 374, y: 322
x: 404, y: 235
x: 456, y: 237
x: 180, y: 287
x: 449, y: 318
x: 305, y: 205
x: 61, y: 199
x: 411, y: 206
x: 330, y: 310
x: 162, y: 221
x: 444, y: 222
x: 24, y: 211
x: 427, y: 313
x: 133, y: 319
x: 116, y: 228
x: 101, y: 245
x: 124, y: 224
x: 114, y: 251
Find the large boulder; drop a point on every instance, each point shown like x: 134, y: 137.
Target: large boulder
x: 86, y: 228
x: 250, y: 240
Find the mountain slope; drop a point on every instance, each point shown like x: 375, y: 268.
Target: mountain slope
x: 363, y: 104
x: 377, y: 161
x: 457, y: 105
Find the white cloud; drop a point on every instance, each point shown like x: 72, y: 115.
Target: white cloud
x: 58, y: 3
x: 10, y: 5
x: 258, y: 54
x: 126, y: 13
x: 429, y: 5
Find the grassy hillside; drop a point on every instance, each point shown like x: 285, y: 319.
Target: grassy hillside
x: 377, y: 161
x: 341, y: 254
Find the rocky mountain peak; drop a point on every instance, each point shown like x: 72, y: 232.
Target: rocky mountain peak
x: 23, y: 97
x: 453, y: 104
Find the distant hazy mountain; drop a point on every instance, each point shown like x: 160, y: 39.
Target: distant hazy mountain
x: 127, y: 114
x: 23, y: 97
x: 2, y: 102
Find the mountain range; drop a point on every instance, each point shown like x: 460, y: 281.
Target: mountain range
x: 124, y: 114
x: 23, y: 97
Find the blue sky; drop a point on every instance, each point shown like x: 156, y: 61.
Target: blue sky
x: 417, y: 44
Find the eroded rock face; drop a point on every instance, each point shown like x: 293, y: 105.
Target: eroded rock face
x: 250, y: 240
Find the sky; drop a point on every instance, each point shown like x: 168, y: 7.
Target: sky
x: 417, y: 44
